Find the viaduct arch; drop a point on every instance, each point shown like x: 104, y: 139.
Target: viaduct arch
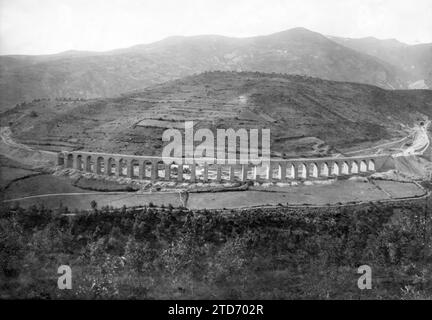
x: 153, y: 168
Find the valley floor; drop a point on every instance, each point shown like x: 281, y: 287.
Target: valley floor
x: 28, y: 185
x: 53, y: 192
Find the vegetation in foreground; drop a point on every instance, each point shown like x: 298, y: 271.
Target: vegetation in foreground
x: 167, y: 253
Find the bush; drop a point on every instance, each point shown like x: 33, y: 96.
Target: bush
x: 274, y: 253
x: 93, y: 204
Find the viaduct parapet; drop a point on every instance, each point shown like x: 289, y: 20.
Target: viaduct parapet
x: 153, y: 168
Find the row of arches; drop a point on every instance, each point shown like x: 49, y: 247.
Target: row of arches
x: 112, y: 166
x: 304, y: 170
x: 153, y: 169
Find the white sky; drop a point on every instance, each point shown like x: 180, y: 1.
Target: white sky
x: 50, y: 26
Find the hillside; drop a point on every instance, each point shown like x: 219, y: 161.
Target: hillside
x: 413, y: 62
x: 307, y: 116
x: 107, y: 74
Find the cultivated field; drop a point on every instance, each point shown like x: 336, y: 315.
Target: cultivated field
x: 64, y: 193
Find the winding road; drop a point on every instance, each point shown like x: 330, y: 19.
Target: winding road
x: 421, y: 141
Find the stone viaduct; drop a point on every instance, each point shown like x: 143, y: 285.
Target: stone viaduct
x: 153, y: 168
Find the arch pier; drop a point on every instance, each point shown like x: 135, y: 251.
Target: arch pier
x: 153, y: 168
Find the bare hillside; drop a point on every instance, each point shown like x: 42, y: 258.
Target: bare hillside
x: 107, y: 74
x: 307, y: 116
x: 413, y: 62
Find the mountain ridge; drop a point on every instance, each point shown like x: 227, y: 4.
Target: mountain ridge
x: 105, y: 74
x: 413, y: 61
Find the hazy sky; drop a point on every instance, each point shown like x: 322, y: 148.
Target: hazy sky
x: 50, y: 26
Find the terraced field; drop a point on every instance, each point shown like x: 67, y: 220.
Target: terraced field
x: 308, y: 117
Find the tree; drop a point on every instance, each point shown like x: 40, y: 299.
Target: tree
x: 93, y: 204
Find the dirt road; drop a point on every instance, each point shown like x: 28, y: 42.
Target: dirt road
x: 22, y: 153
x: 420, y: 143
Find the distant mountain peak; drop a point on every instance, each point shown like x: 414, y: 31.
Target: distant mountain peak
x: 82, y: 74
x: 371, y: 40
x: 297, y: 31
